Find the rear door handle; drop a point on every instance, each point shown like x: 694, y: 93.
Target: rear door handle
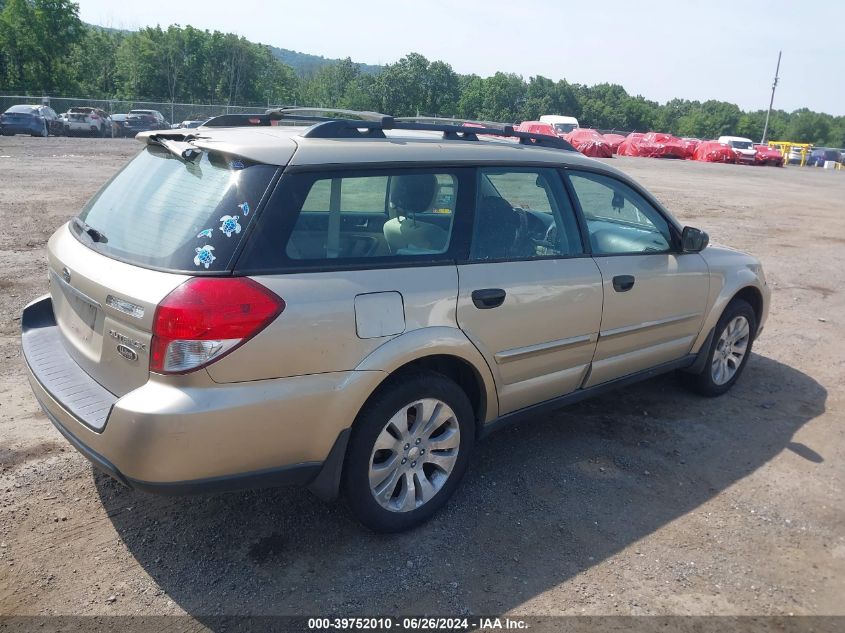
x: 488, y: 298
x: 623, y: 283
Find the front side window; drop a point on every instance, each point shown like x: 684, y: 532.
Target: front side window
x: 380, y: 214
x: 523, y: 214
x: 619, y: 220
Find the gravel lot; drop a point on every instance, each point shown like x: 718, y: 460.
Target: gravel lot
x: 647, y: 501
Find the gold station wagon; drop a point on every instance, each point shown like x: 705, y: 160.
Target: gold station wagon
x: 352, y: 304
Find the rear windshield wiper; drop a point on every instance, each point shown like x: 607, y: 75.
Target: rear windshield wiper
x: 94, y: 234
x: 180, y: 149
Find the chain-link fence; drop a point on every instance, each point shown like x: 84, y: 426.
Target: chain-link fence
x: 173, y: 112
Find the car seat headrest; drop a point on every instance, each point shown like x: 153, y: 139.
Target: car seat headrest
x: 413, y: 193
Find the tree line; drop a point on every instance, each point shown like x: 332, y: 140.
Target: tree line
x: 46, y: 49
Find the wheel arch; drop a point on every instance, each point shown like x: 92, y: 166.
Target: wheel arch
x: 442, y: 349
x: 754, y: 298
x: 447, y: 351
x: 729, y: 283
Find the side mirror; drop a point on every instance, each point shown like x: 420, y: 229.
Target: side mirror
x: 694, y: 240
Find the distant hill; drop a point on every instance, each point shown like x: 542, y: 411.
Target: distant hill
x: 306, y: 64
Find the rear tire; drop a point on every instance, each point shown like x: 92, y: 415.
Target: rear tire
x: 408, y: 452
x: 729, y: 350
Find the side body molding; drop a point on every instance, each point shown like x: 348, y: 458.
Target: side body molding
x: 434, y: 341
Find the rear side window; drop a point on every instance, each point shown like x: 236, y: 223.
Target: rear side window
x: 165, y: 213
x: 362, y: 218
x: 353, y: 217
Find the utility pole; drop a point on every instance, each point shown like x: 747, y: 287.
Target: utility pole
x: 771, y: 101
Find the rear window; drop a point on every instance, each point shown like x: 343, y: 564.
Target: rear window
x: 165, y: 213
x: 22, y: 109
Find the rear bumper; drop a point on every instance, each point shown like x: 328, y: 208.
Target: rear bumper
x: 182, y: 436
x: 21, y: 129
x: 79, y: 126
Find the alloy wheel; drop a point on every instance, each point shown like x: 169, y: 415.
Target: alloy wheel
x: 730, y: 350
x: 414, y: 455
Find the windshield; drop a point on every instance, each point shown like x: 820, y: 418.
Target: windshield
x: 170, y: 214
x: 741, y: 144
x: 564, y: 128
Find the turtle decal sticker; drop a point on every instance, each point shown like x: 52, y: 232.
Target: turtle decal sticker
x: 203, y: 256
x: 244, y: 207
x: 230, y: 225
x: 206, y: 233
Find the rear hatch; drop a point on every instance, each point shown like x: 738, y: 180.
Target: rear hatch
x: 158, y: 222
x: 18, y: 119
x: 141, y: 121
x: 79, y: 117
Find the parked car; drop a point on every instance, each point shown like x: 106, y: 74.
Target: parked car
x: 88, y: 121
x: 820, y: 155
x: 714, y: 152
x: 187, y: 124
x: 590, y: 142
x: 768, y: 155
x: 35, y: 120
x: 743, y: 149
x: 355, y: 314
x: 689, y: 145
x: 653, y: 145
x: 118, y: 127
x: 797, y: 154
x: 143, y: 121
x: 614, y: 140
x: 561, y: 124
x: 537, y: 127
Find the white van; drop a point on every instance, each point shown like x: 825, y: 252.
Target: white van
x: 742, y: 147
x: 561, y: 124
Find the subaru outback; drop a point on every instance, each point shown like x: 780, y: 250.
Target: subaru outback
x: 352, y: 304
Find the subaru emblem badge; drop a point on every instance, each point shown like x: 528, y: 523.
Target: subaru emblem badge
x: 127, y: 352
x: 66, y: 274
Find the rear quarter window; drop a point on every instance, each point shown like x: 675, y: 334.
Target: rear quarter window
x: 168, y: 214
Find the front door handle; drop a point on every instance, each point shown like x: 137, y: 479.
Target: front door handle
x: 623, y: 283
x: 488, y: 298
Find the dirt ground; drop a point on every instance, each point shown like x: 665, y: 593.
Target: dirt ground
x: 647, y: 501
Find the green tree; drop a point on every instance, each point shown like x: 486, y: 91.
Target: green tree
x: 18, y: 44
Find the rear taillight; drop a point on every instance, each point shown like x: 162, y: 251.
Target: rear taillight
x: 206, y: 318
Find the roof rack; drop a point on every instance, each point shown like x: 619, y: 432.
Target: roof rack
x: 373, y: 124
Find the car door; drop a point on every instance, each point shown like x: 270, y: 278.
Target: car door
x: 654, y: 295
x: 529, y: 298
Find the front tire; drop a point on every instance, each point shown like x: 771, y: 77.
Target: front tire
x: 409, y: 449
x: 729, y: 350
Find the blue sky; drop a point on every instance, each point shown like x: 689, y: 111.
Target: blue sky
x: 716, y: 49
